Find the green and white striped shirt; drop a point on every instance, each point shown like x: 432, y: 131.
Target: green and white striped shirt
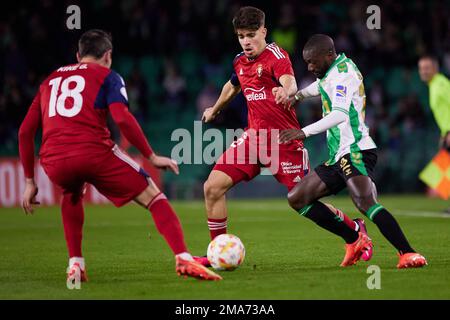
x: 342, y: 90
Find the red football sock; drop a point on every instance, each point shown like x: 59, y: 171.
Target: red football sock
x: 349, y: 222
x: 217, y: 227
x: 167, y: 223
x: 73, y: 219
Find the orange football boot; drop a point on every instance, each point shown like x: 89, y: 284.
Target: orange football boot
x: 356, y: 249
x: 194, y: 269
x: 411, y: 260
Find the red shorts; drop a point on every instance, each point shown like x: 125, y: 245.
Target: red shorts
x: 113, y: 173
x: 243, y: 160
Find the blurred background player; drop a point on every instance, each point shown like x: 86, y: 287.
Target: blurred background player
x: 72, y: 105
x: 352, y: 152
x: 439, y: 96
x: 439, y: 92
x: 264, y: 73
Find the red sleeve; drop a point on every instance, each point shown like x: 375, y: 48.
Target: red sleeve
x: 130, y: 128
x: 282, y: 66
x: 27, y: 133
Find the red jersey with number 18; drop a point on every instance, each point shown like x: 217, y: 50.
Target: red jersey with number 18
x: 73, y: 104
x: 257, y: 77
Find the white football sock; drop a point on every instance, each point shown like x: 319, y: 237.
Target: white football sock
x: 79, y: 260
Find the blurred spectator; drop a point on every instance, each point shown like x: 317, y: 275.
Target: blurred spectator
x: 206, y: 98
x: 174, y: 87
x: 285, y: 34
x: 410, y: 115
x: 137, y: 95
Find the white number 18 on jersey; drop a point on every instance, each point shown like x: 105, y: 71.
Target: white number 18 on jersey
x: 57, y: 103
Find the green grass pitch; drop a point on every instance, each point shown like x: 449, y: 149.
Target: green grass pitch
x: 288, y: 256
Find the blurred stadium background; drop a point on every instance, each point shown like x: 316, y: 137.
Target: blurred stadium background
x: 176, y: 55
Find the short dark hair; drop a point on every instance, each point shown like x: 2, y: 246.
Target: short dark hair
x: 320, y: 43
x: 94, y: 43
x: 249, y: 18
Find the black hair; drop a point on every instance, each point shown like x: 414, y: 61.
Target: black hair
x: 320, y: 43
x: 94, y: 43
x: 249, y: 18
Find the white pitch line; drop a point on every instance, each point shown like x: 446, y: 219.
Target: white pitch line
x: 429, y: 214
x: 282, y: 207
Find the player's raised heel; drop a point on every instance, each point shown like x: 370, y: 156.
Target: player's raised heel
x: 356, y: 249
x: 411, y: 260
x: 367, y: 254
x: 194, y: 269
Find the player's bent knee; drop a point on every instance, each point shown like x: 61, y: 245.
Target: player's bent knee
x: 296, y: 201
x: 147, y: 195
x: 363, y: 203
x: 213, y: 189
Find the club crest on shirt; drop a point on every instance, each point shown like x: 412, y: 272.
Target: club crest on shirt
x: 259, y: 70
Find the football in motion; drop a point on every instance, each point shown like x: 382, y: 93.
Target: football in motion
x: 226, y: 252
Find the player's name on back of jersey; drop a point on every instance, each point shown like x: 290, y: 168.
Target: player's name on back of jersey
x: 73, y: 68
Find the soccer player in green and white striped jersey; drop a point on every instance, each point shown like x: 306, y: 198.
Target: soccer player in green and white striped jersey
x: 352, y: 152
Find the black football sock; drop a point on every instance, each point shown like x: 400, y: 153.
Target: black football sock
x: 324, y: 217
x: 389, y: 227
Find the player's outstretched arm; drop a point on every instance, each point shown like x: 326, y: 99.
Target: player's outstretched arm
x: 288, y: 88
x: 310, y: 91
x: 130, y: 128
x: 229, y: 91
x: 27, y: 132
x: 333, y: 119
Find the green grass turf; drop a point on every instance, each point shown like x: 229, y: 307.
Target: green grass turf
x: 288, y: 257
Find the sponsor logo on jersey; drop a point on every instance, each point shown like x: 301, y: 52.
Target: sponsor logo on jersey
x: 297, y: 179
x: 259, y: 70
x: 241, y: 72
x: 291, y: 168
x: 255, y: 94
x: 346, y: 167
x: 341, y: 91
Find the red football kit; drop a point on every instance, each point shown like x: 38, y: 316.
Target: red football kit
x: 258, y: 146
x: 72, y: 107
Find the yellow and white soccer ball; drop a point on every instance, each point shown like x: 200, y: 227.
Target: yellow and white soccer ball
x: 226, y: 252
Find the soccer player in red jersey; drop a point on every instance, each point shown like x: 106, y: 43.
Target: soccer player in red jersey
x: 263, y: 72
x: 72, y: 105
